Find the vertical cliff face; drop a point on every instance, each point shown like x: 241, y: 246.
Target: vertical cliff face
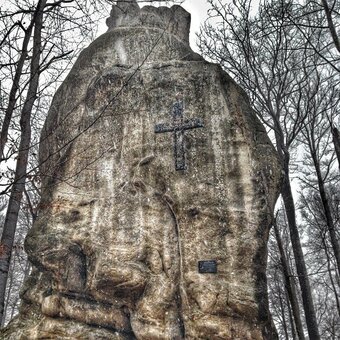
x: 158, y: 189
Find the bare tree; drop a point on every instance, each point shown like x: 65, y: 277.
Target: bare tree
x: 319, y: 22
x: 321, y: 99
x: 336, y: 142
x: 319, y: 199
x: 32, y: 68
x: 325, y: 280
x: 330, y: 11
x: 282, y: 279
x: 289, y: 284
x: 265, y: 54
x: 16, y: 81
x: 13, y: 208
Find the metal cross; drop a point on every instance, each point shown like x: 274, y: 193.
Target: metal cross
x: 178, y: 126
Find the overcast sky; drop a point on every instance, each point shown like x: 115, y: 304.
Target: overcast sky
x: 198, y: 10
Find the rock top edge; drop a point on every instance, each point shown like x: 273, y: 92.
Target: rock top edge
x: 174, y: 20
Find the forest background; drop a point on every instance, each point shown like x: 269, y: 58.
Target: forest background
x: 286, y: 56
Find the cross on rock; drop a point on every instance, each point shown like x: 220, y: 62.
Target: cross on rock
x: 178, y: 126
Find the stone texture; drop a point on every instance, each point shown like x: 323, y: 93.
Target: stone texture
x: 120, y: 232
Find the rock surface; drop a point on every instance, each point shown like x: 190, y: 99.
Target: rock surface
x: 120, y: 231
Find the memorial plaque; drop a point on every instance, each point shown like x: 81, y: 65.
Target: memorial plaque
x: 206, y: 267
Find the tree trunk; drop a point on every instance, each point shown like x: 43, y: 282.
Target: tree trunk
x: 327, y: 210
x: 331, y: 26
x: 8, y: 234
x: 14, y: 89
x: 307, y: 299
x: 284, y: 323
x: 9, y: 290
x: 336, y: 142
x: 291, y: 317
x: 329, y: 269
x: 290, y: 285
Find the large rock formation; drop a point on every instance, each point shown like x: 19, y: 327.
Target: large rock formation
x: 158, y: 189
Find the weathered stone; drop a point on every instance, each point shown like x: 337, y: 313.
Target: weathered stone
x: 120, y: 232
